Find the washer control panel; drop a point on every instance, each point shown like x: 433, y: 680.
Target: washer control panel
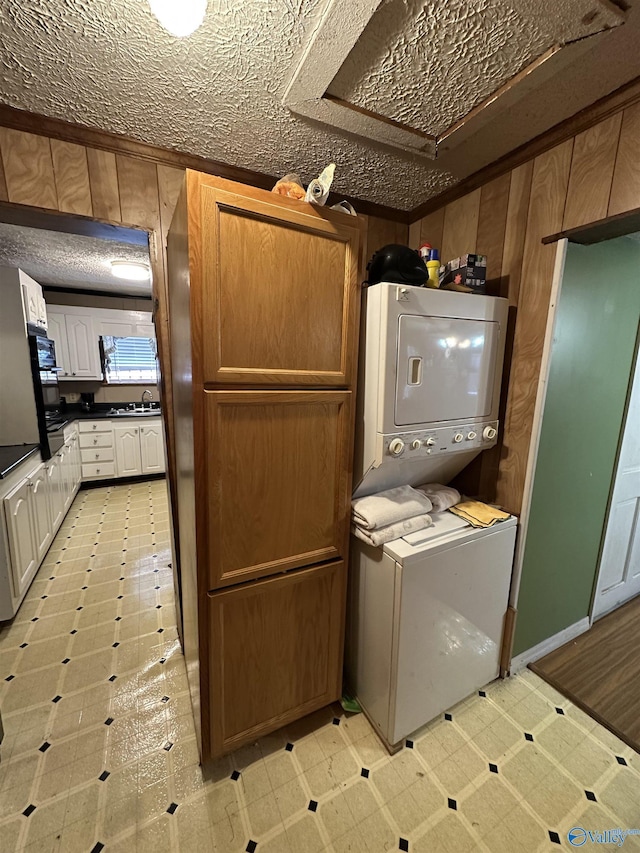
x: 422, y: 444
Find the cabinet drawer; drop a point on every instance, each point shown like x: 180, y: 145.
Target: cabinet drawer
x: 276, y: 652
x: 97, y: 454
x: 101, y: 470
x: 291, y: 508
x: 287, y: 313
x: 97, y: 439
x: 94, y: 426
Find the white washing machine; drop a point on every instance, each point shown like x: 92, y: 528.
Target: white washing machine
x: 427, y: 616
x: 426, y: 612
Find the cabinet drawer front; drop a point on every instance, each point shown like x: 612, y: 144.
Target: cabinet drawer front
x: 98, y: 454
x: 95, y: 426
x: 276, y: 652
x: 278, y: 465
x: 98, y: 439
x: 101, y: 470
x: 286, y: 310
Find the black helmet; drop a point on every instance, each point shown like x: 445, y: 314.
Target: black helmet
x: 397, y: 264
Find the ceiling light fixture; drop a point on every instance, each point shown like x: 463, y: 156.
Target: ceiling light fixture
x: 179, y: 17
x: 130, y: 270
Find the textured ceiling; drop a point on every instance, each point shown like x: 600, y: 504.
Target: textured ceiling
x: 69, y: 260
x: 428, y: 65
x: 108, y: 64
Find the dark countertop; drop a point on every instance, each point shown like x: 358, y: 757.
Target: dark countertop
x: 108, y: 412
x: 11, y: 455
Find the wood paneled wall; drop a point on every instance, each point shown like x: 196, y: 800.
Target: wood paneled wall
x: 581, y: 180
x: 63, y: 176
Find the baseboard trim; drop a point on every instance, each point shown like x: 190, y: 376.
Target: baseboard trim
x: 549, y: 645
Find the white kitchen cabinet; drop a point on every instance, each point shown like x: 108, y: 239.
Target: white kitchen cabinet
x: 42, y: 527
x: 76, y: 340
x: 127, y: 446
x: 84, y: 353
x: 35, y: 498
x: 35, y: 308
x: 117, y: 328
x: 18, y: 513
x: 55, y: 490
x: 96, y: 449
x: 58, y: 333
x: 66, y: 462
x: 152, y: 448
x: 146, y: 330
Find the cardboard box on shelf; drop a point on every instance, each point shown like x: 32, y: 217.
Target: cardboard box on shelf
x: 466, y: 274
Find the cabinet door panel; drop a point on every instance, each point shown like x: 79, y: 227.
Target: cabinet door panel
x: 55, y: 491
x: 276, y: 652
x: 41, y: 517
x: 278, y: 465
x: 57, y: 331
x: 83, y: 347
x: 280, y: 292
x: 127, y: 447
x: 22, y: 545
x: 152, y: 449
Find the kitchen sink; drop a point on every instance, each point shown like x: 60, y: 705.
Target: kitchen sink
x: 138, y: 411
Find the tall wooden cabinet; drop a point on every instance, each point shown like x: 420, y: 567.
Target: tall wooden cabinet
x: 264, y: 309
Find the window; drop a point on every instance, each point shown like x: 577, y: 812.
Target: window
x: 129, y: 360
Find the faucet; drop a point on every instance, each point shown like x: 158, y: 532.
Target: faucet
x: 146, y: 391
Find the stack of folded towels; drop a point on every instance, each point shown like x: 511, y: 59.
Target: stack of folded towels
x: 388, y: 515
x: 391, y: 514
x: 441, y: 497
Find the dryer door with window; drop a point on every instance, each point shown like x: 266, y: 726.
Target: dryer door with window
x: 445, y: 369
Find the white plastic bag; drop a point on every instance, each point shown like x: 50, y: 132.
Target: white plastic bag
x: 318, y: 189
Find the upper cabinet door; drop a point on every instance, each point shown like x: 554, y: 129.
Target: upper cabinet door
x: 280, y: 289
x: 84, y: 354
x: 278, y: 467
x: 57, y: 331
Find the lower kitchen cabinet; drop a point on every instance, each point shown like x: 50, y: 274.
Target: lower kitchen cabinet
x: 152, y: 448
x: 19, y: 516
x: 42, y: 527
x: 35, y: 498
x: 126, y: 440
x: 276, y: 652
x: 124, y: 448
x: 55, y: 490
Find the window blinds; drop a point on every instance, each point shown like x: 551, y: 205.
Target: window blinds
x: 129, y: 360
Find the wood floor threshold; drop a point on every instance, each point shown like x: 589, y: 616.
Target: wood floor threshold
x: 599, y: 671
x: 569, y: 694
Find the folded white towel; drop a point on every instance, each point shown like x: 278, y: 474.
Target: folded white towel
x: 392, y: 531
x: 375, y: 511
x: 441, y: 497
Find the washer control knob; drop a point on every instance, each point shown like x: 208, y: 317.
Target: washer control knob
x: 430, y: 442
x: 489, y: 433
x: 396, y: 447
x: 471, y: 436
x: 416, y: 444
x: 458, y: 437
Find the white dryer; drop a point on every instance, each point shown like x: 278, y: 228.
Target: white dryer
x: 429, y: 384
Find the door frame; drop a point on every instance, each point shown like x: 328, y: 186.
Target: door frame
x: 92, y: 226
x: 633, y: 379
x: 532, y: 460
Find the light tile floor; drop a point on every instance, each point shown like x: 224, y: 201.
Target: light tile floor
x: 100, y: 748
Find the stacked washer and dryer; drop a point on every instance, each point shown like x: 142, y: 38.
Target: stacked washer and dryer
x: 426, y: 612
